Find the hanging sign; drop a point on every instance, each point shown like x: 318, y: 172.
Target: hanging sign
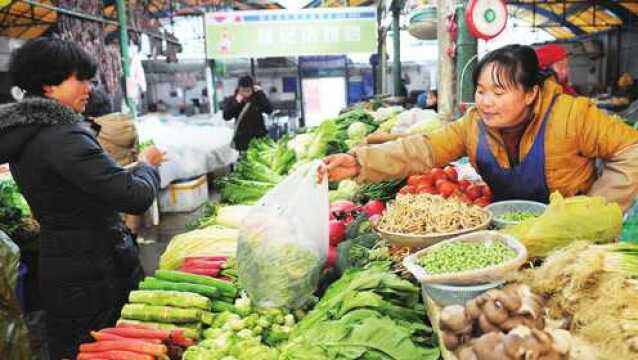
x: 270, y: 33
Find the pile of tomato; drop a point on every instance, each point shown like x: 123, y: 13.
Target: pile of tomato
x: 445, y: 182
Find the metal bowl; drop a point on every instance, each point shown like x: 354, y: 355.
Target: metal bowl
x: 502, y: 207
x: 422, y: 241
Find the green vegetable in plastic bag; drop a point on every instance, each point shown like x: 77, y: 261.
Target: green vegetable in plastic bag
x: 211, y: 241
x: 567, y: 220
x: 14, y: 335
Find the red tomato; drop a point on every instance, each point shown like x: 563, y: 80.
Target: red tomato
x: 464, y: 184
x: 408, y: 189
x: 426, y: 179
x: 425, y: 189
x: 445, y: 187
x: 473, y: 192
x: 464, y: 198
x: 482, y: 202
x: 438, y: 174
x: 485, y: 191
x: 414, y: 180
x: 451, y: 173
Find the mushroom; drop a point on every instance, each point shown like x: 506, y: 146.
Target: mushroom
x: 486, y: 326
x: 466, y: 353
x: 473, y: 309
x: 509, y: 297
x: 495, y: 312
x: 516, y: 321
x: 531, y: 304
x: 490, y: 346
x: 451, y: 341
x: 455, y: 319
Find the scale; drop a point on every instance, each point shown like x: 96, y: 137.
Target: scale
x: 486, y: 19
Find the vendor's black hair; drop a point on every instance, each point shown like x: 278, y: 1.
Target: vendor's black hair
x: 48, y: 61
x: 246, y: 81
x: 99, y: 104
x: 514, y: 65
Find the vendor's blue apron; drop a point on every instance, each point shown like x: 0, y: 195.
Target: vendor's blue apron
x: 525, y: 181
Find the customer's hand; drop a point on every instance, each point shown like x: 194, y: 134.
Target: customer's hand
x: 152, y: 155
x: 339, y: 167
x: 239, y: 98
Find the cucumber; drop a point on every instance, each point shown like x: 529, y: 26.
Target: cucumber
x: 221, y: 306
x: 170, y: 298
x: 227, y: 289
x: 165, y: 314
x: 208, y: 318
x: 151, y: 283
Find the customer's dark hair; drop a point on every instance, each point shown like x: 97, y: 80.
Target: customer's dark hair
x: 48, y: 61
x: 99, y: 104
x: 514, y: 65
x: 246, y: 81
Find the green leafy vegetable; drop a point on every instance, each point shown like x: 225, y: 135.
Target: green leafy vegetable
x: 384, y: 191
x: 367, y: 314
x: 13, y: 207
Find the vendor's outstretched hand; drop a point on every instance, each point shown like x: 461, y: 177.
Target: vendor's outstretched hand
x: 152, y: 155
x: 339, y: 167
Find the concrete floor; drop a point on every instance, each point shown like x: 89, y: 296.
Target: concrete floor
x: 153, y: 240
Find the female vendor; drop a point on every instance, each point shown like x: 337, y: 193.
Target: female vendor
x: 524, y: 136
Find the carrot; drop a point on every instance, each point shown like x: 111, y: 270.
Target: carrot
x: 178, y: 338
x: 114, y: 355
x: 125, y: 345
x: 137, y: 333
x: 103, y: 336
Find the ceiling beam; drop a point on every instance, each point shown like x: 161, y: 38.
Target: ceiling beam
x: 549, y: 15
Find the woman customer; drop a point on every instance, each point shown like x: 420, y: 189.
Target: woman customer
x: 525, y: 137
x: 75, y: 192
x: 247, y: 106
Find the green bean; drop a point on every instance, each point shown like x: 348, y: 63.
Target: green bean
x: 464, y: 256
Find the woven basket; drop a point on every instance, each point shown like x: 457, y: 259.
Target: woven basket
x: 491, y: 274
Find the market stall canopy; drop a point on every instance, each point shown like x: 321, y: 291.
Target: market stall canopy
x: 568, y: 18
x: 562, y: 19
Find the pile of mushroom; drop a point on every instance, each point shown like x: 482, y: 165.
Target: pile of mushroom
x: 512, y: 318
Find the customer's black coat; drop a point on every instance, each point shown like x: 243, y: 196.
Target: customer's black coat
x: 75, y: 192
x: 252, y: 125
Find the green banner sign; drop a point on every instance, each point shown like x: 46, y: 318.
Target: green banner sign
x: 291, y: 33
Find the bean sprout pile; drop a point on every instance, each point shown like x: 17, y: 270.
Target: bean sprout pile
x: 425, y: 214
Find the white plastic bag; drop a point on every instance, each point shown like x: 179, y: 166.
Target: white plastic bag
x: 283, y: 241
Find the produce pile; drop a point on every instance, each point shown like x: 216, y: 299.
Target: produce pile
x: 130, y: 341
x: 265, y: 164
x: 504, y: 324
x: 247, y: 334
x: 517, y: 216
x: 445, y: 182
x: 464, y: 256
x: 366, y: 314
x: 592, y: 290
x: 425, y: 214
x: 14, y: 211
x: 567, y: 220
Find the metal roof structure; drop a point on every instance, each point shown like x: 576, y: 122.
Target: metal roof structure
x: 563, y: 19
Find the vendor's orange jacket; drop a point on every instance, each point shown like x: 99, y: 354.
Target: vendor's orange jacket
x: 577, y: 134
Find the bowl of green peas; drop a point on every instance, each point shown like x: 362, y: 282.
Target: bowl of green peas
x: 513, y: 212
x: 459, y: 269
